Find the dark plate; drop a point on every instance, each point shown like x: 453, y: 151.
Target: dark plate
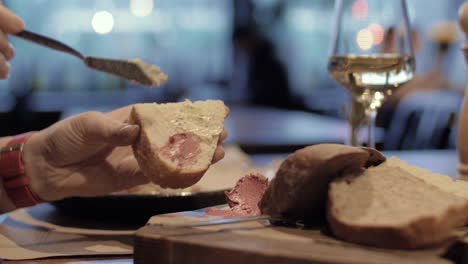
x: 136, y: 208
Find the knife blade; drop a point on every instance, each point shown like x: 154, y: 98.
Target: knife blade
x: 223, y: 221
x: 133, y: 70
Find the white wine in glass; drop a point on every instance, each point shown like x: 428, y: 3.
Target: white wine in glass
x: 371, y: 54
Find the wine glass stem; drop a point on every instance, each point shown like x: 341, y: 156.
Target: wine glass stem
x: 371, y: 117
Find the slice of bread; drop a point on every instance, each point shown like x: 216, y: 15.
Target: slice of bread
x: 299, y: 189
x: 443, y: 182
x: 386, y: 206
x: 177, y: 141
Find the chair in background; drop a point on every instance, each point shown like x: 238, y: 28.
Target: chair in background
x: 424, y: 120
x: 328, y: 101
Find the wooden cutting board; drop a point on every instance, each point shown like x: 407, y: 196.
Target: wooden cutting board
x: 257, y: 242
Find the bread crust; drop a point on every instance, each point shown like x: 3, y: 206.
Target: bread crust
x: 158, y: 170
x: 421, y: 232
x: 299, y: 189
x: 375, y: 157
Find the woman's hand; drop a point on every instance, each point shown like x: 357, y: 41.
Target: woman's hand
x: 9, y: 24
x: 86, y: 155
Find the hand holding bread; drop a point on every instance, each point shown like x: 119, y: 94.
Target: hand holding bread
x: 91, y: 153
x: 85, y: 155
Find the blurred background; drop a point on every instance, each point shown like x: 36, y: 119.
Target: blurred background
x: 269, y: 53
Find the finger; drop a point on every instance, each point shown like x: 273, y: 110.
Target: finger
x: 218, y: 155
x: 128, y: 175
x: 4, y: 67
x: 103, y: 178
x: 96, y: 127
x: 9, y: 22
x: 219, y: 152
x: 223, y: 136
x: 122, y: 114
x: 5, y: 47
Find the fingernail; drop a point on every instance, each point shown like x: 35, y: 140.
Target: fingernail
x: 128, y: 130
x: 10, y: 53
x: 125, y: 135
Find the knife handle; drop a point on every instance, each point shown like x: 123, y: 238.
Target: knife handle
x: 48, y: 42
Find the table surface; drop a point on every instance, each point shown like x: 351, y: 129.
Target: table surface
x: 441, y: 161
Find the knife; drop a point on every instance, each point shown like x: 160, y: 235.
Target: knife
x: 215, y: 222
x: 273, y: 220
x: 132, y: 70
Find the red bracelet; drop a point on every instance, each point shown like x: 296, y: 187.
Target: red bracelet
x: 12, y: 171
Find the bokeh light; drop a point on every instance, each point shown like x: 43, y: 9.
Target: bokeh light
x: 141, y: 8
x: 365, y: 39
x: 360, y: 9
x: 377, y: 33
x: 102, y: 22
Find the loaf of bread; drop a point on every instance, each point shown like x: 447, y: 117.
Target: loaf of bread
x: 443, y: 182
x: 177, y: 141
x: 369, y: 199
x: 299, y: 189
x: 386, y: 206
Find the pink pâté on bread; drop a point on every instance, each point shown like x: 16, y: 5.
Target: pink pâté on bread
x: 243, y: 198
x: 177, y: 141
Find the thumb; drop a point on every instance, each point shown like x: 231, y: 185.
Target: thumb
x: 95, y: 127
x: 10, y: 23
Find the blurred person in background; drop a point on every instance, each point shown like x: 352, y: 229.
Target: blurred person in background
x: 259, y: 78
x: 422, y: 113
x: 443, y: 36
x: 85, y: 155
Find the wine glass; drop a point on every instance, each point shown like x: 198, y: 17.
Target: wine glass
x: 371, y: 56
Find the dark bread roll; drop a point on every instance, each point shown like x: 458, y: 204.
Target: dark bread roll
x: 375, y: 157
x: 299, y: 189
